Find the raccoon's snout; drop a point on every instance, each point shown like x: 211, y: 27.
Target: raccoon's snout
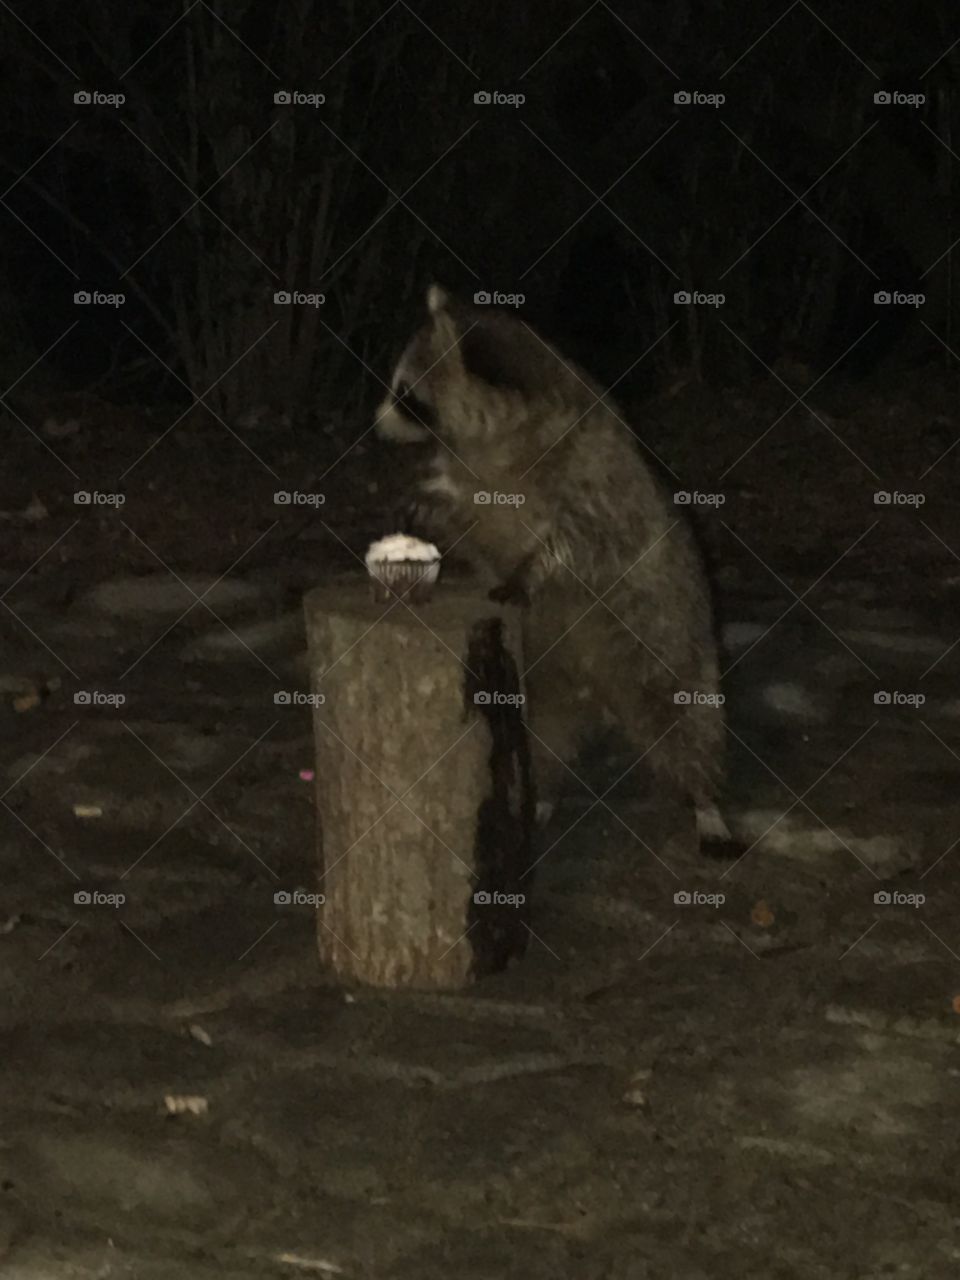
x: 415, y: 410
x: 404, y: 417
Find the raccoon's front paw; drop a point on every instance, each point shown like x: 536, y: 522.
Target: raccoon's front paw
x: 515, y: 588
x: 411, y: 518
x: 509, y: 593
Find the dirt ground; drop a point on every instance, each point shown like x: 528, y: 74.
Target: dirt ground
x: 762, y: 1084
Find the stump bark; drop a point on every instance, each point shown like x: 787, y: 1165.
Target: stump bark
x: 425, y: 804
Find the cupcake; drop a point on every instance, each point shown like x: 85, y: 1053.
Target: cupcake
x: 402, y: 566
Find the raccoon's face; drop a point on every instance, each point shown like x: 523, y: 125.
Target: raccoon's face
x: 403, y: 416
x: 467, y: 376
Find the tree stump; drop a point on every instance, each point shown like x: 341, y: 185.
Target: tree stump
x: 425, y: 804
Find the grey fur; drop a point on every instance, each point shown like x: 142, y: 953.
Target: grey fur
x: 511, y: 416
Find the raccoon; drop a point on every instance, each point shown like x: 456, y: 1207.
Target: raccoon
x: 538, y: 481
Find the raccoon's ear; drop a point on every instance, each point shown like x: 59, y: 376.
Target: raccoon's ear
x: 437, y: 299
x: 447, y: 322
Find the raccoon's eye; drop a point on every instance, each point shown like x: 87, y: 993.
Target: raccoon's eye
x: 412, y: 407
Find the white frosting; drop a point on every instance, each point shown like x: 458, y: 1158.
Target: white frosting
x: 399, y: 546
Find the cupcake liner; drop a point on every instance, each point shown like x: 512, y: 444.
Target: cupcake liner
x: 413, y: 580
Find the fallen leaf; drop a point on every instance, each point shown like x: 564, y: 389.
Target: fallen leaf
x: 762, y: 915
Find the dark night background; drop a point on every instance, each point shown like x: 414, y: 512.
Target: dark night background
x: 598, y: 198
x: 768, y: 1090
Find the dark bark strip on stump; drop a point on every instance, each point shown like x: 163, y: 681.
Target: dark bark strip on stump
x: 424, y: 795
x: 510, y: 803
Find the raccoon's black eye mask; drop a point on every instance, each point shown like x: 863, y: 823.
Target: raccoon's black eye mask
x: 411, y: 407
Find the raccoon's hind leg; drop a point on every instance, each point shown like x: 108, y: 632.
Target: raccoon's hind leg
x: 554, y: 731
x: 711, y: 826
x: 681, y: 744
x: 689, y: 758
